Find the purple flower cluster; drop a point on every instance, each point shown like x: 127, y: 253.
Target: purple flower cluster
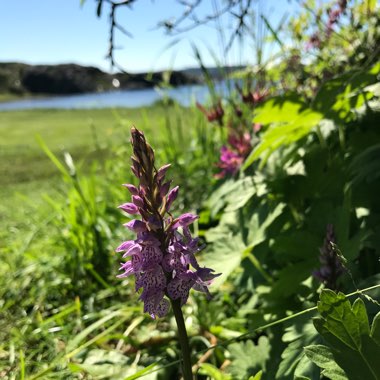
x: 331, y: 266
x: 334, y: 15
x: 232, y: 157
x: 162, y: 257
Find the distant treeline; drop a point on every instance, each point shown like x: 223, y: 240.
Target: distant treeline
x: 20, y: 78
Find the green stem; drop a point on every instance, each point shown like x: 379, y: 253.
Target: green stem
x: 183, y: 340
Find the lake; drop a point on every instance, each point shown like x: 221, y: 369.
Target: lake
x: 185, y: 95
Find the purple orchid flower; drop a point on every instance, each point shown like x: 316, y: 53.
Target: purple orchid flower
x: 162, y: 257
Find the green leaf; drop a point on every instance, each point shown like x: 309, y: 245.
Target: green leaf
x: 365, y: 167
x: 214, y: 372
x: 248, y: 358
x: 102, y: 364
x: 241, y: 194
x: 304, y: 367
x: 280, y: 109
x: 225, y: 254
x: 375, y: 329
x: 345, y: 328
x: 236, y: 236
x: 290, y: 119
x: 233, y: 194
x: 257, y: 376
x: 339, y: 97
x: 263, y: 216
x: 323, y: 358
x: 294, y: 364
x: 142, y: 372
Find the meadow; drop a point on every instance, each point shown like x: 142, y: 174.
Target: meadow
x: 26, y: 171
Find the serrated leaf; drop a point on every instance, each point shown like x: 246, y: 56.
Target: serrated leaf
x: 257, y: 376
x: 293, y: 363
x: 262, y: 218
x: 339, y: 318
x: 225, y: 253
x: 229, y: 243
x: 360, y: 312
x: 303, y: 368
x: 289, y: 124
x: 323, y: 358
x: 248, y: 358
x: 346, y: 330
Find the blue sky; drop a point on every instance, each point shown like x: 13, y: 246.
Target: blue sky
x: 63, y: 31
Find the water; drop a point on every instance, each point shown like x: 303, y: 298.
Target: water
x: 185, y: 95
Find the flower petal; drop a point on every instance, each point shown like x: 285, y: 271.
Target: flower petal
x: 132, y: 189
x: 125, y: 246
x: 173, y: 193
x: 184, y: 220
x: 162, y: 171
x: 179, y: 288
x: 130, y: 208
x: 127, y: 268
x: 136, y: 225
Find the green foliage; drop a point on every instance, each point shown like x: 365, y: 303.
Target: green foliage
x: 352, y: 344
x: 248, y: 358
x: 323, y: 358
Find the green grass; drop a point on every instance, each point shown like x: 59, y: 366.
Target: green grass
x: 27, y: 173
x: 32, y: 234
x: 79, y: 132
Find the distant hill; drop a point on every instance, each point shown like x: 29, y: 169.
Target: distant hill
x: 20, y: 78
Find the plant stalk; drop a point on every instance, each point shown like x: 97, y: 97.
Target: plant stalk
x: 183, y: 340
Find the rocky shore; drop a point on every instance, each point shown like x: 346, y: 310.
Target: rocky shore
x: 19, y: 78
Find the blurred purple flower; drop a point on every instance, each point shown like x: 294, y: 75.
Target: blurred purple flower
x: 231, y: 158
x: 331, y: 266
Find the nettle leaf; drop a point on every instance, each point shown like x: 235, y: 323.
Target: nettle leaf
x: 247, y: 358
x: 324, y: 358
x: 345, y: 328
